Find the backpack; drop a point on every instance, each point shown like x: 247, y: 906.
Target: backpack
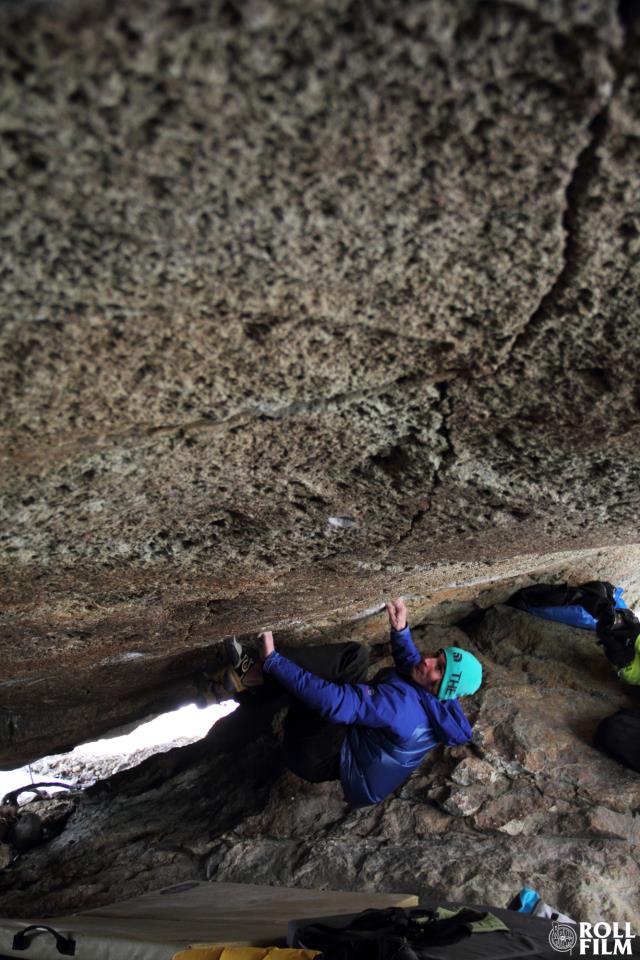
x: 392, y: 934
x: 20, y: 830
x: 619, y: 736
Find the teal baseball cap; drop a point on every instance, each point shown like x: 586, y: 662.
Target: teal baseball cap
x: 462, y: 675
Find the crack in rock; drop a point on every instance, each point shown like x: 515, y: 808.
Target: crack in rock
x: 583, y: 171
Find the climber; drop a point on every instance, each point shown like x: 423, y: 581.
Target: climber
x: 370, y: 736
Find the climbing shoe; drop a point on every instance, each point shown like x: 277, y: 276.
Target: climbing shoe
x: 239, y: 659
x: 235, y: 683
x: 241, y: 671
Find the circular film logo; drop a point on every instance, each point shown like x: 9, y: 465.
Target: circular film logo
x: 562, y: 937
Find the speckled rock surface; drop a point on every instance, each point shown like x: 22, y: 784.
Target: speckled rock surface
x: 301, y: 306
x: 529, y: 801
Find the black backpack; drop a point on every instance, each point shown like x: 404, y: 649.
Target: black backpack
x: 619, y: 736
x: 392, y: 934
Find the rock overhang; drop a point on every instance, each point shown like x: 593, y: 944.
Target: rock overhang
x: 268, y: 266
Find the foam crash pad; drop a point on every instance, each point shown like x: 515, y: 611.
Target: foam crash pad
x: 157, y: 925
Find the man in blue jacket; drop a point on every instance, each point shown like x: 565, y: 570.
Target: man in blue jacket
x: 370, y: 736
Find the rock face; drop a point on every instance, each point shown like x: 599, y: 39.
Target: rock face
x: 529, y: 801
x: 300, y: 307
x: 303, y: 306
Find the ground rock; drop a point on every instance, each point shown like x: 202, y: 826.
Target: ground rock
x: 528, y: 801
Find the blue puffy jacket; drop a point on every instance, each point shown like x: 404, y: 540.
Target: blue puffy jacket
x: 392, y: 723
